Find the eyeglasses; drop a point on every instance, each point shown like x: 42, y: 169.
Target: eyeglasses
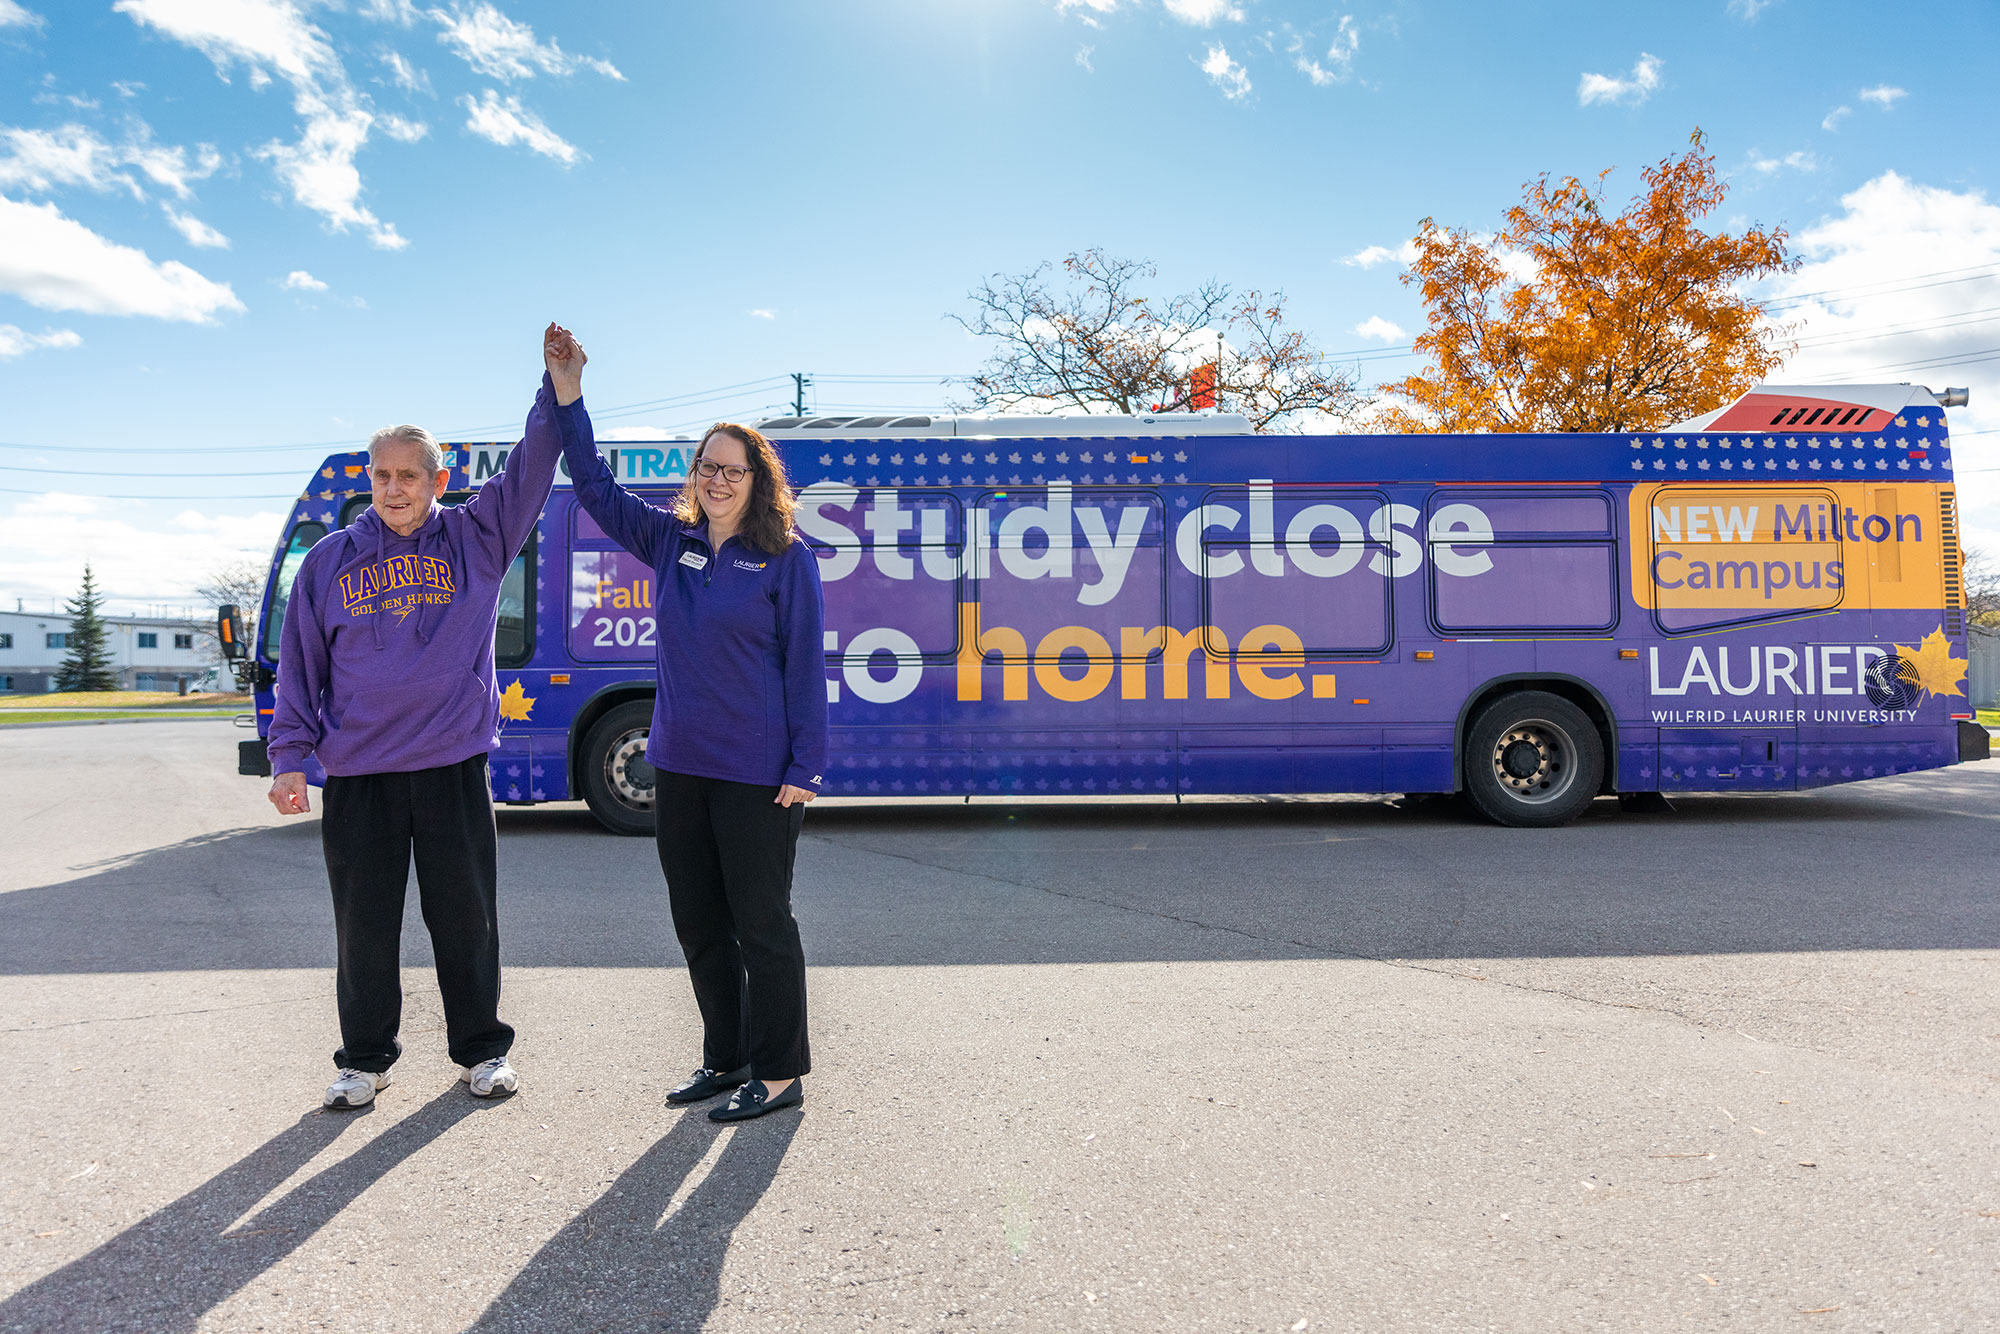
x: 731, y: 472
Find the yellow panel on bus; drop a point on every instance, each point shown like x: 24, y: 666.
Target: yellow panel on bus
x: 1787, y: 548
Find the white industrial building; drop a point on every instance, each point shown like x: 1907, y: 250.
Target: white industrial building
x: 146, y: 652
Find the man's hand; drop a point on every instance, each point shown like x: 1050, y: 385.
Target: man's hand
x: 288, y: 794
x: 563, y: 355
x: 791, y: 796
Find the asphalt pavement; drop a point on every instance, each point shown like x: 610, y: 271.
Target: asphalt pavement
x: 1229, y: 1065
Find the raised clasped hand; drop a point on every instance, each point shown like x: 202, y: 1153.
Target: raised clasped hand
x: 565, y: 359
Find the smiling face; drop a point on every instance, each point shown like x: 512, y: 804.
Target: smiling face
x: 404, y: 487
x: 725, y: 503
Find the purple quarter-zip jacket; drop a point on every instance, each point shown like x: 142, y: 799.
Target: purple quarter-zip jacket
x: 386, y: 659
x: 741, y: 644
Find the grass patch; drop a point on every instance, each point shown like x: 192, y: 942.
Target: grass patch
x: 17, y: 717
x: 1989, y: 717
x: 122, y: 699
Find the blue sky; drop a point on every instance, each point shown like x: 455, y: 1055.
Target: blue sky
x: 265, y: 228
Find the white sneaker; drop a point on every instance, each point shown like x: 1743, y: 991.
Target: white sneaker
x: 355, y: 1088
x: 490, y: 1079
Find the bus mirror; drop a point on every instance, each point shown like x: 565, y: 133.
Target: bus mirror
x: 229, y: 630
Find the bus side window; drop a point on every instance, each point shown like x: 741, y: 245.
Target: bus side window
x: 514, y: 633
x: 305, y: 536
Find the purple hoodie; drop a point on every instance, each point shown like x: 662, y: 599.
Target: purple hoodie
x: 741, y: 654
x: 386, y: 661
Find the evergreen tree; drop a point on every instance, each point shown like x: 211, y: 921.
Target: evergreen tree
x: 88, y: 663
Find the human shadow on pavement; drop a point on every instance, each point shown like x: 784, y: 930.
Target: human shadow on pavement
x: 621, y: 1265
x: 170, y: 1269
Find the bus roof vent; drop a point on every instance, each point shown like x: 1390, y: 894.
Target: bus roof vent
x: 1822, y: 408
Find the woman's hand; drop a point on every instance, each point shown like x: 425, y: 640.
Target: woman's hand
x: 791, y: 796
x: 563, y: 356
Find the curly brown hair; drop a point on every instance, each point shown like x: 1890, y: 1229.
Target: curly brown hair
x: 768, y: 523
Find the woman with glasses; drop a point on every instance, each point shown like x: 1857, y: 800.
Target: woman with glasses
x: 739, y: 741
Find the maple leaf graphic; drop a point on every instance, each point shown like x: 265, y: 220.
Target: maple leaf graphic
x: 514, y: 703
x: 1932, y: 666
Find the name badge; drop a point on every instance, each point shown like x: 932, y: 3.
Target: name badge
x: 694, y: 560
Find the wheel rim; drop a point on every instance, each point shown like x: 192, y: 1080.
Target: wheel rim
x: 1534, y: 761
x: 627, y: 772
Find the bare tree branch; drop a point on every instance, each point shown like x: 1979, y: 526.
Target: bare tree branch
x: 1099, y: 342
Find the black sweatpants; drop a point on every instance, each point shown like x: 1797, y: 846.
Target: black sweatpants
x: 371, y: 825
x: 727, y: 851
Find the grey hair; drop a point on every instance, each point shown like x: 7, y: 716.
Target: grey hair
x: 416, y: 435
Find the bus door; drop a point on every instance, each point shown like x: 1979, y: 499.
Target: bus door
x: 892, y: 564
x: 1294, y: 582
x: 1065, y: 639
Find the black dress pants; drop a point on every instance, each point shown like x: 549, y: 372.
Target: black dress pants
x: 371, y: 825
x: 727, y: 850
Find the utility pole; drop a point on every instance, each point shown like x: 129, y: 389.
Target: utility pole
x: 800, y: 380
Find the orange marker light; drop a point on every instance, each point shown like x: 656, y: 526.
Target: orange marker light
x: 1425, y: 655
x: 558, y: 678
x: 1629, y: 654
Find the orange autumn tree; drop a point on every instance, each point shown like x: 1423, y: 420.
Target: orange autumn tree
x: 1572, y: 319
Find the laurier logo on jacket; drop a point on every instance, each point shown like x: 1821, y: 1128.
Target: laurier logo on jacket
x: 427, y: 575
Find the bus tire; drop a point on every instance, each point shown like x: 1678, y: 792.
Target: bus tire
x: 617, y: 779
x: 1532, y: 760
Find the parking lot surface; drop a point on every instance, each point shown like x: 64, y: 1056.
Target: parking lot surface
x: 1227, y: 1065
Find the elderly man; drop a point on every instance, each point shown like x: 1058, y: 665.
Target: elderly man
x: 385, y: 672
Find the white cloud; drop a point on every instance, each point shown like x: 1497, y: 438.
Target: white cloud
x: 1204, y: 13
x: 501, y: 48
x: 1101, y: 6
x: 1748, y: 10
x: 402, y: 13
x: 274, y: 35
x: 405, y: 75
x: 1636, y: 88
x: 1884, y: 95
x: 194, y: 231
x: 13, y: 16
x: 1834, y: 117
x: 402, y: 129
x: 1370, y: 256
x: 1083, y: 58
x: 763, y: 314
x: 505, y: 121
x: 56, y: 263
x: 45, y: 160
x: 1339, y: 56
x: 1798, y: 161
x: 16, y: 341
x: 1901, y: 286
x: 1382, y: 330
x: 1232, y: 78
x: 298, y: 280
x: 136, y: 559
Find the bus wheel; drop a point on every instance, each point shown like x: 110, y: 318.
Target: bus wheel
x: 1532, y: 760
x: 617, y: 780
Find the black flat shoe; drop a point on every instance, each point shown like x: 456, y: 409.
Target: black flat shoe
x: 706, y: 1083
x: 755, y: 1099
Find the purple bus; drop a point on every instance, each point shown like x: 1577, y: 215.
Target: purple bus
x: 1766, y: 598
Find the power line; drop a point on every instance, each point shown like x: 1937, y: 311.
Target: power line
x: 102, y: 495
x: 99, y: 472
